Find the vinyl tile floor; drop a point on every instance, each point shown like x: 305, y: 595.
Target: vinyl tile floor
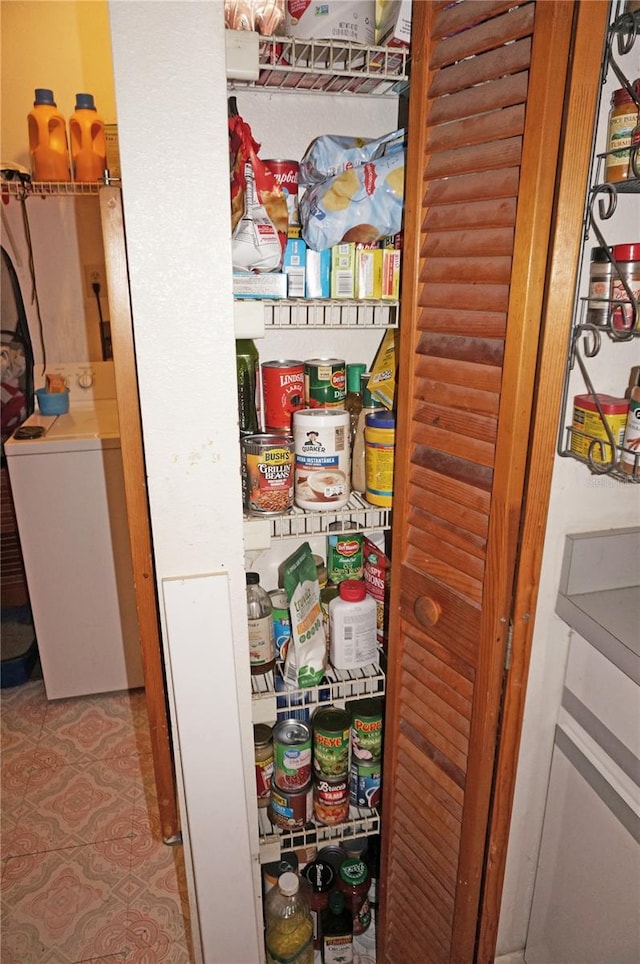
x: 85, y: 874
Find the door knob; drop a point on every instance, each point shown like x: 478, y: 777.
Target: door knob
x: 427, y: 610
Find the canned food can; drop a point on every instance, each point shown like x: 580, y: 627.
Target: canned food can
x: 286, y: 175
x: 345, y: 556
x: 290, y: 809
x: 333, y: 854
x: 292, y: 754
x: 366, y: 729
x: 322, y: 458
x: 267, y: 473
x: 325, y: 382
x: 281, y: 621
x: 282, y: 393
x: 331, y: 735
x: 365, y: 784
x: 331, y: 799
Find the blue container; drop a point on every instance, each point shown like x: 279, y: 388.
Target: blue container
x: 52, y: 403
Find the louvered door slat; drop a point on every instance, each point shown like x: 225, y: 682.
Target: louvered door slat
x: 483, y: 128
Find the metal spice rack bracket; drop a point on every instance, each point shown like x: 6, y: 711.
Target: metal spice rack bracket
x: 603, y: 457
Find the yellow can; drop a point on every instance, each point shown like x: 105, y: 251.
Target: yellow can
x: 379, y: 441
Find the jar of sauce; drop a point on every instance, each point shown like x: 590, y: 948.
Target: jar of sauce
x: 354, y: 881
x: 321, y: 877
x: 263, y: 754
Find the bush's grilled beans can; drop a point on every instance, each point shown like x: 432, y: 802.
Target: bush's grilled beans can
x: 286, y: 175
x: 282, y: 393
x: 366, y: 729
x: 292, y: 755
x: 281, y: 621
x: 331, y: 734
x: 331, y: 799
x: 290, y: 809
x: 268, y: 473
x: 322, y: 458
x: 365, y: 784
x: 325, y: 382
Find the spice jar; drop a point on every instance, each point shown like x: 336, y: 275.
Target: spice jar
x: 623, y: 117
x: 354, y: 881
x: 321, y: 878
x: 627, y: 259
x: 263, y: 755
x: 600, y: 271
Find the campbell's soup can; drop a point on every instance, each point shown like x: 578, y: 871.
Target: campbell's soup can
x: 282, y: 393
x: 322, y: 458
x: 325, y: 382
x: 286, y: 175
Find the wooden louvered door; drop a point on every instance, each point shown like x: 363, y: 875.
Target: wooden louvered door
x: 485, y: 122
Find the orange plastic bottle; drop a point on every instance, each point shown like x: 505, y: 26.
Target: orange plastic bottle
x: 88, y: 145
x: 48, y: 139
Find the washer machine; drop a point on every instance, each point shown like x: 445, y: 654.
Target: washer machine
x: 68, y: 490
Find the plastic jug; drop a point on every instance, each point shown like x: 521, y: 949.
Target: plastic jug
x: 48, y: 139
x: 88, y: 145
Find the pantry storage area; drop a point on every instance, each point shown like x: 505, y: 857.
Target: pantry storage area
x: 480, y: 181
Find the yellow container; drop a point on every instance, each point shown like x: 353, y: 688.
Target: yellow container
x: 48, y: 139
x: 589, y: 437
x: 379, y: 441
x: 88, y: 144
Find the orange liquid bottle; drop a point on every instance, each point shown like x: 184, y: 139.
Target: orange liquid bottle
x: 47, y: 139
x: 88, y: 145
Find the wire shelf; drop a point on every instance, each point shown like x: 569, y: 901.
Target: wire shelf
x: 331, y: 66
x: 330, y: 314
x: 361, y: 823
x: 358, y: 514
x: 17, y: 188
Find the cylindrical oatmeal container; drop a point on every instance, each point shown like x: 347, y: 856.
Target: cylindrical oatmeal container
x: 322, y: 458
x: 267, y: 473
x: 282, y: 393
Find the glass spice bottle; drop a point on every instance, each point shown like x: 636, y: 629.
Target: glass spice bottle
x: 623, y: 117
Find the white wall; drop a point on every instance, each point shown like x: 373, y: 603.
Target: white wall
x: 580, y: 502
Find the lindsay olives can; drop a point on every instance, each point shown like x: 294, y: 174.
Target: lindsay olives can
x: 267, y: 473
x: 282, y: 393
x: 292, y: 755
x: 322, y: 458
x: 331, y: 729
x: 290, y: 809
x: 325, y: 382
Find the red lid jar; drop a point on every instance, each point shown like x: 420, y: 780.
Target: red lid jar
x: 354, y: 881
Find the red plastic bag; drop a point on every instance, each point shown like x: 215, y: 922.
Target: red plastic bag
x: 244, y: 151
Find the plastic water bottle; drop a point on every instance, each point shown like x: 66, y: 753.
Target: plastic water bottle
x: 48, y: 139
x: 88, y: 145
x: 289, y: 931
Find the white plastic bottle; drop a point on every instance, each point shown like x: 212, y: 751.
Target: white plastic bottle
x: 352, y: 627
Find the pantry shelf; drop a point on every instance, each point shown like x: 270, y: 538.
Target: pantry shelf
x: 337, y: 687
x: 315, y: 66
x: 252, y: 317
x: 21, y: 188
x: 357, y: 515
x: 362, y: 822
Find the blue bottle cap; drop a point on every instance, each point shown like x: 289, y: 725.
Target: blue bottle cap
x: 44, y: 96
x: 85, y: 102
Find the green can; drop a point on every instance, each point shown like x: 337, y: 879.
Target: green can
x: 366, y: 729
x: 331, y: 734
x: 345, y: 554
x: 325, y: 382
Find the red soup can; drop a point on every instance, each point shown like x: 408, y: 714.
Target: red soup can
x: 283, y: 393
x: 286, y: 175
